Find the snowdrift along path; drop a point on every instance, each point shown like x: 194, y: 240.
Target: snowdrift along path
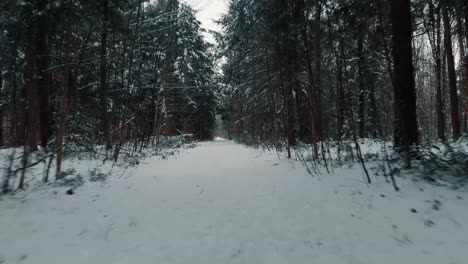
x: 223, y: 203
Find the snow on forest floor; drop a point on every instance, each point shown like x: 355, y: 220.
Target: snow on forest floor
x: 223, y: 203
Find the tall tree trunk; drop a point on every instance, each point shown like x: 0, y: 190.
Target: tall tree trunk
x: 284, y: 97
x: 64, y: 104
x: 1, y: 107
x: 13, y: 109
x: 43, y: 79
x: 465, y: 69
x: 318, y: 71
x: 345, y: 86
x: 290, y: 104
x: 286, y: 48
x: 311, y: 98
x: 103, y: 81
x: 273, y: 136
x: 435, y: 40
x: 438, y: 72
x: 31, y: 111
x: 454, y: 111
x: 312, y: 92
x: 362, y: 92
x: 406, y: 129
x: 340, y: 95
x: 464, y: 54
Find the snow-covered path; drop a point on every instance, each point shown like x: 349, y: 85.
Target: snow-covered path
x: 223, y: 203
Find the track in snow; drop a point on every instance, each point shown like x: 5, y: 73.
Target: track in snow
x: 223, y: 203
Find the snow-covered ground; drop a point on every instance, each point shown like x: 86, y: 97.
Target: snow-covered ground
x: 223, y: 203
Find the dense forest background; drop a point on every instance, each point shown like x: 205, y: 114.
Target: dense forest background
x: 102, y: 73
x: 317, y: 70
x: 121, y: 74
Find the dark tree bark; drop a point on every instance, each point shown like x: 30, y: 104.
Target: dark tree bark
x: 105, y: 122
x: 286, y: 49
x: 43, y: 77
x: 340, y: 94
x: 318, y: 71
x: 406, y: 129
x: 14, y: 139
x: 438, y: 68
x: 465, y: 62
x: 290, y: 104
x: 362, y: 88
x: 433, y: 27
x: 454, y: 111
x: 1, y: 107
x: 64, y: 105
x: 312, y: 91
x: 31, y: 112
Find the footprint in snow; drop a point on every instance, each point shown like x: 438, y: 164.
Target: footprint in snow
x: 429, y: 223
x: 436, y: 204
x: 237, y: 254
x: 402, y: 239
x: 23, y: 257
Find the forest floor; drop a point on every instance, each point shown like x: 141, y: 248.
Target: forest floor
x: 224, y: 203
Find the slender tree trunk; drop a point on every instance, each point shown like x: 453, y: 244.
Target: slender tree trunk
x: 454, y: 111
x: 340, y: 95
x: 465, y: 61
x: 291, y: 117
x: 31, y: 116
x: 362, y: 92
x: 465, y: 69
x: 464, y: 54
x: 273, y: 136
x: 103, y: 78
x: 285, y: 102
x: 438, y: 72
x: 311, y: 99
x: 318, y: 72
x: 64, y: 104
x: 406, y: 129
x: 1, y: 107
x: 461, y: 44
x: 13, y: 110
x: 312, y: 92
x: 43, y: 79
